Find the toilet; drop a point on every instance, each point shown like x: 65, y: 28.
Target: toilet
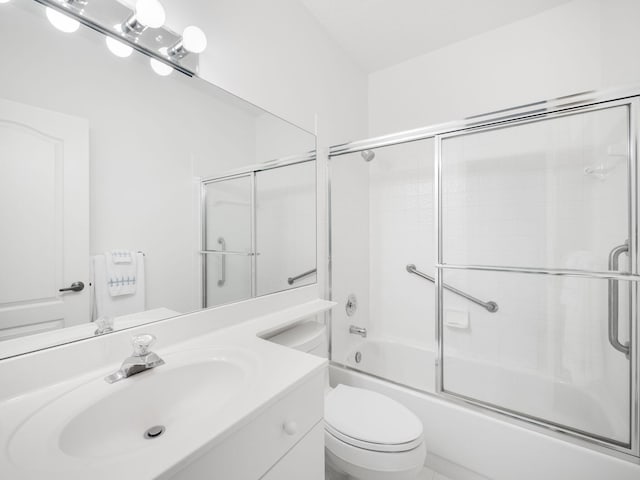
x: 368, y: 436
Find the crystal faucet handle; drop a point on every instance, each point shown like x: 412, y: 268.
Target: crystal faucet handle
x: 141, y: 343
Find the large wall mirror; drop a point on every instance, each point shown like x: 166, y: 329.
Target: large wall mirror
x: 127, y: 197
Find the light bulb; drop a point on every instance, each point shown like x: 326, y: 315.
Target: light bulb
x: 61, y: 21
x: 194, y: 40
x: 150, y: 13
x: 118, y: 48
x: 160, y: 68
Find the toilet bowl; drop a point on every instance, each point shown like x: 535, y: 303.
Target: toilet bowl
x: 368, y: 436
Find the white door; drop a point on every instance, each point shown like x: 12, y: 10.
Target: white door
x: 44, y: 216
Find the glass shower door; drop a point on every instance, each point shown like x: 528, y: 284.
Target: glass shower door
x: 382, y: 221
x: 285, y: 227
x: 227, y: 240
x: 536, y: 216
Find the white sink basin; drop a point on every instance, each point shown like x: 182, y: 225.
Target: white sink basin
x: 97, y: 420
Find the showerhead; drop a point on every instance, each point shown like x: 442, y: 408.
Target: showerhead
x: 368, y: 155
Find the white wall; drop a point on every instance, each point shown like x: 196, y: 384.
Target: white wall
x: 578, y: 46
x: 350, y: 250
x: 276, y: 55
x: 401, y: 232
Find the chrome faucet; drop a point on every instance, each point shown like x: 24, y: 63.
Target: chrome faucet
x: 358, y: 331
x: 104, y: 324
x: 140, y: 360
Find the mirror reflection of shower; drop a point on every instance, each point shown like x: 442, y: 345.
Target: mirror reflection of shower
x: 258, y: 231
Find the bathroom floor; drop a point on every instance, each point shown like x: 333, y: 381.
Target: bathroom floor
x: 428, y: 474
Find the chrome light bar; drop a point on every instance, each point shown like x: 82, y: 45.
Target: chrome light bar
x: 115, y: 20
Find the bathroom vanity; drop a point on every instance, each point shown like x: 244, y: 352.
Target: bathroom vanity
x: 93, y: 158
x: 228, y: 404
x: 285, y: 441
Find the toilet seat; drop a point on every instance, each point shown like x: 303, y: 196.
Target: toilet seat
x: 371, y: 421
x: 374, y: 447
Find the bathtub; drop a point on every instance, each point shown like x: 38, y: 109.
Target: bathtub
x: 410, y: 365
x: 467, y: 444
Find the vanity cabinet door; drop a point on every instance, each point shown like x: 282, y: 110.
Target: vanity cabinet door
x: 255, y: 447
x: 304, y: 461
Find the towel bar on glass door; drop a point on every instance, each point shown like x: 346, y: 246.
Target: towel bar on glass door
x: 223, y: 263
x: 291, y: 280
x: 490, y: 306
x: 614, y: 256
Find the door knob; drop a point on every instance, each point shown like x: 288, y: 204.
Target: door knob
x: 75, y: 287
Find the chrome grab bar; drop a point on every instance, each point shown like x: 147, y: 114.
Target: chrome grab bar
x: 290, y: 280
x: 490, y: 306
x: 226, y: 252
x: 614, y: 257
x: 223, y: 263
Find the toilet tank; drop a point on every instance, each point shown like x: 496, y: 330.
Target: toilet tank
x: 309, y: 336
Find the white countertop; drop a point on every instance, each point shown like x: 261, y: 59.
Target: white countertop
x: 277, y: 370
x: 59, y: 336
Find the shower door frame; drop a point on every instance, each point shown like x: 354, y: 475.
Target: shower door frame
x: 250, y: 171
x: 633, y: 277
x: 567, y: 105
x: 251, y: 175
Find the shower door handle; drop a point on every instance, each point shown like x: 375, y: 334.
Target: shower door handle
x: 223, y: 263
x: 614, y: 257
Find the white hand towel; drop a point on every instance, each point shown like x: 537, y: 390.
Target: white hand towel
x: 122, y: 256
x: 121, y: 277
x: 107, y: 305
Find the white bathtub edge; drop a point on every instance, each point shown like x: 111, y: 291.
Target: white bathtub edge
x: 483, y: 446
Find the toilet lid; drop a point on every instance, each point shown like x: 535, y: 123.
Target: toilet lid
x: 370, y: 420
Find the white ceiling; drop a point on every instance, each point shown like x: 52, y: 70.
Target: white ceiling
x: 381, y: 33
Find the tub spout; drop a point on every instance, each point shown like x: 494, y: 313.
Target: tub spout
x: 358, y: 331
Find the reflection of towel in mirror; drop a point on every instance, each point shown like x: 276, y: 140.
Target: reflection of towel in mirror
x: 122, y: 256
x: 104, y: 304
x: 121, y: 272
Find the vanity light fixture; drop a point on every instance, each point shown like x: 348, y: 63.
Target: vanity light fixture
x: 193, y: 40
x: 160, y: 68
x: 125, y: 23
x: 118, y: 48
x: 61, y: 21
x: 147, y: 13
